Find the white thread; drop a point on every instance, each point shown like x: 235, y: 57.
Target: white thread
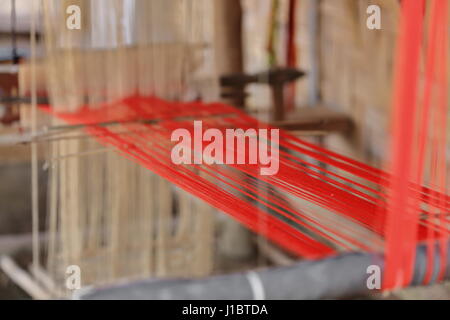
x: 256, y: 285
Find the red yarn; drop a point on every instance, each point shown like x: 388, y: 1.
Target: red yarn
x: 259, y: 202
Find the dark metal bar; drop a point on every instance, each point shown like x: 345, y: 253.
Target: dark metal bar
x: 25, y: 100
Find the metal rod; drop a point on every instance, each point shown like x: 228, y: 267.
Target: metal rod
x: 34, y: 147
x: 8, y: 101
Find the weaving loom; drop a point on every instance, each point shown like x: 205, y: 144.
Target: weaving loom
x: 101, y: 233
x: 121, y: 209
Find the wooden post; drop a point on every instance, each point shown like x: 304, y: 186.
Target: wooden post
x: 228, y: 41
x: 235, y: 240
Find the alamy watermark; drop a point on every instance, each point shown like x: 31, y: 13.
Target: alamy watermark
x: 73, y: 277
x: 73, y: 21
x: 374, y: 280
x: 374, y: 20
x: 235, y: 146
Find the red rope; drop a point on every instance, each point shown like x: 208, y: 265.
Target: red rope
x: 411, y: 132
x: 291, y: 51
x: 352, y: 213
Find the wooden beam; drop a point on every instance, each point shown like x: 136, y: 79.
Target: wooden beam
x: 22, y: 279
x: 317, y: 119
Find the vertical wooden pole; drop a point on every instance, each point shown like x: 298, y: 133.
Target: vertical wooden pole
x: 228, y: 40
x: 314, y: 40
x: 34, y: 148
x: 235, y: 241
